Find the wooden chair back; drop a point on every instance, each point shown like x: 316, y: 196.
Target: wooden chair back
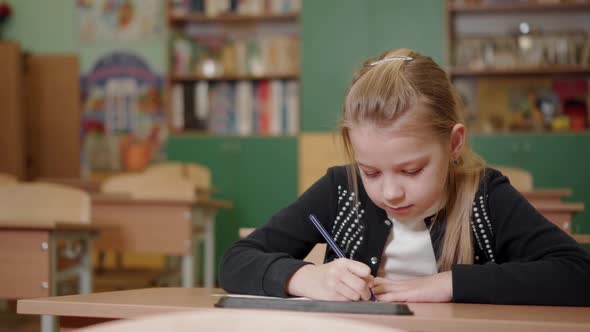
x: 520, y: 178
x: 43, y: 203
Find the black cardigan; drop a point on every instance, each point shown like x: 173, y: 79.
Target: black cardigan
x: 520, y: 257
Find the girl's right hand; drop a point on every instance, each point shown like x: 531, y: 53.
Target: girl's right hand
x: 340, y: 280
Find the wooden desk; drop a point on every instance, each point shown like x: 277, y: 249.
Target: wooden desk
x: 559, y: 213
x: 82, y: 310
x: 29, y: 260
x: 89, y: 185
x: 546, y: 195
x: 166, y: 227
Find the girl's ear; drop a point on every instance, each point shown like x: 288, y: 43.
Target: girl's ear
x: 458, y: 137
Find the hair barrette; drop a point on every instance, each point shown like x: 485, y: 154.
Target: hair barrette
x: 391, y: 58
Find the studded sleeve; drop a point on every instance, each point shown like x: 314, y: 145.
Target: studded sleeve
x: 262, y: 263
x: 535, y: 262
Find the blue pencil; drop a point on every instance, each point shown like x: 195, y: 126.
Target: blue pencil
x: 331, y: 242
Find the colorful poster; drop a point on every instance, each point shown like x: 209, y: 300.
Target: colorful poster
x: 123, y: 122
x: 119, y: 20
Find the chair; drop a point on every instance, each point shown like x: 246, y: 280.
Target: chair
x: 41, y: 203
x: 149, y: 186
x: 44, y: 229
x: 240, y: 321
x: 7, y: 179
x: 520, y: 178
x: 198, y: 175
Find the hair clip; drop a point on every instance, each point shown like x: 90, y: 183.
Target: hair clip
x: 391, y: 58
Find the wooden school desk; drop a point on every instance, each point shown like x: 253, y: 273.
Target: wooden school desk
x: 29, y: 260
x: 82, y: 310
x: 553, y: 195
x: 167, y: 227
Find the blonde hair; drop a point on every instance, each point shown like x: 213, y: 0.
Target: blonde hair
x: 385, y: 89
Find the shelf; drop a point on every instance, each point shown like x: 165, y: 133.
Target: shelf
x: 209, y: 134
x: 531, y: 71
x: 518, y: 7
x: 194, y: 78
x: 232, y: 18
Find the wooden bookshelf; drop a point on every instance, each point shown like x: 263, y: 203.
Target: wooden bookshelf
x: 179, y: 79
x: 254, y: 89
x: 231, y: 18
x: 488, y: 61
x: 519, y: 7
x: 521, y: 71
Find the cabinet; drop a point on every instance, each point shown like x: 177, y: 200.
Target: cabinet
x: 521, y: 65
x: 234, y: 67
x: 12, y: 149
x: 40, y: 125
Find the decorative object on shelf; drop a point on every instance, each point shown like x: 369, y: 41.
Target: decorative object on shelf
x: 513, y: 62
x: 5, y: 13
x: 119, y: 20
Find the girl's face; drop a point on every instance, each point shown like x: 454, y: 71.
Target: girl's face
x: 404, y: 172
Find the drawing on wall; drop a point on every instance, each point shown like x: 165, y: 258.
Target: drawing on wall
x: 123, y: 121
x: 122, y: 20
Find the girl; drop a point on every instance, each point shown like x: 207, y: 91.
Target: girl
x: 417, y: 213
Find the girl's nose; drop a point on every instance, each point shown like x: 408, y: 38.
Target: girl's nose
x: 392, y: 191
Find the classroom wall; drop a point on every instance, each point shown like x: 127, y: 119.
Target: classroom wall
x: 338, y: 35
x: 50, y: 26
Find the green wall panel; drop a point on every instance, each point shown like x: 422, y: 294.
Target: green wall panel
x: 416, y: 24
x: 258, y: 174
x: 555, y: 161
x: 334, y: 36
x: 51, y: 26
x: 338, y: 35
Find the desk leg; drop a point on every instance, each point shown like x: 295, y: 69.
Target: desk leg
x: 85, y: 282
x: 48, y: 323
x: 209, y: 251
x: 188, y: 278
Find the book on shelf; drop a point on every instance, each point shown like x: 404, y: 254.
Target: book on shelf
x: 237, y: 108
x: 214, y: 8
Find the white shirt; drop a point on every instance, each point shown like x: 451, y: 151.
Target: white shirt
x: 408, y: 250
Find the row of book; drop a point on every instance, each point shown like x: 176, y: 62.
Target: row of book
x: 214, y: 8
x: 267, y: 107
x: 217, y: 55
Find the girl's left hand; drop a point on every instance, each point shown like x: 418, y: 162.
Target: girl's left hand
x: 434, y: 288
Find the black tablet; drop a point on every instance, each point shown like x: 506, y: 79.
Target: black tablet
x: 371, y: 308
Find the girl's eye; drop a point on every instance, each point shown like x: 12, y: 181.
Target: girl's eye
x: 371, y: 174
x: 413, y: 171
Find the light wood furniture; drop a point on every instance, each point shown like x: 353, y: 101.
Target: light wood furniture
x: 53, y: 116
x: 88, y: 185
x: 7, y: 179
x: 162, y: 226
x: 317, y: 152
x: 82, y: 310
x: 44, y: 239
x: 41, y: 112
x: 198, y: 175
x: 521, y: 179
x: 561, y: 214
x: 235, y: 66
x: 553, y: 16
x: 537, y: 196
x: 12, y: 144
x: 240, y: 321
